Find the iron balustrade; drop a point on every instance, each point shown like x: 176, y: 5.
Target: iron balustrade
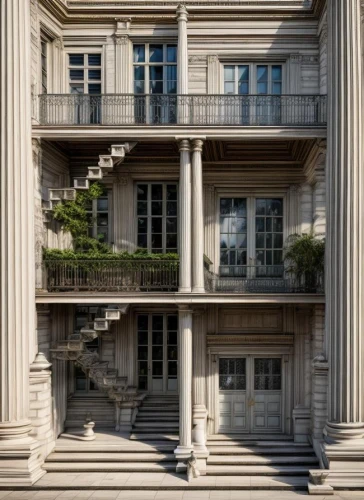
x: 203, y: 110
x: 112, y: 275
x: 260, y: 279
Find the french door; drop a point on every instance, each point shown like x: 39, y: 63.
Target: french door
x: 157, y: 353
x: 250, y: 394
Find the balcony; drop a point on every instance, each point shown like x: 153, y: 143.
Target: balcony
x: 183, y: 110
x: 162, y: 276
x: 112, y: 276
x: 260, y: 280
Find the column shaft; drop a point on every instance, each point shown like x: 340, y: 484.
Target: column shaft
x: 345, y: 248
x: 185, y: 217
x: 198, y: 285
x: 185, y: 381
x: 182, y: 51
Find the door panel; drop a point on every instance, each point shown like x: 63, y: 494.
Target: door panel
x: 232, y: 397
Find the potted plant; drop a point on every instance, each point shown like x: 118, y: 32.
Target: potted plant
x: 305, y: 258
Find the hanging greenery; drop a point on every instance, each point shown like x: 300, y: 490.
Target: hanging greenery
x: 305, y: 256
x: 74, y: 217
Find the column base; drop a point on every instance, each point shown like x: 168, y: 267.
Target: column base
x: 20, y: 462
x: 198, y: 290
x: 182, y: 453
x: 184, y: 290
x: 344, y: 433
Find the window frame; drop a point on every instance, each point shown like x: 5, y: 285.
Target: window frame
x: 149, y: 216
x: 253, y: 84
x: 251, y: 197
x: 147, y: 64
x: 85, y: 67
x: 94, y: 213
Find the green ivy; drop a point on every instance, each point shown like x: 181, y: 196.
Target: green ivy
x: 305, y: 256
x: 74, y: 219
x: 52, y: 254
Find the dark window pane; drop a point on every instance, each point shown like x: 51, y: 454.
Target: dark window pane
x: 260, y: 207
x: 157, y: 224
x: 226, y: 383
x: 156, y: 241
x: 139, y: 53
x: 274, y: 207
x: 172, y: 352
x: 142, y: 225
x: 278, y: 240
x: 172, y: 324
x: 277, y: 225
x: 171, y: 208
x: 143, y: 367
x: 259, y: 224
x: 76, y: 74
x: 156, y: 73
x: 171, y: 241
x: 157, y: 322
x: 157, y: 192
x: 259, y: 240
x: 240, y: 383
x: 94, y: 59
x: 171, y: 53
x: 142, y: 192
x: 276, y: 366
x: 157, y: 338
x: 240, y: 206
x: 172, y: 368
x: 142, y: 240
x: 240, y: 366
x: 157, y: 368
x: 157, y: 208
x: 142, y: 208
x: 142, y: 338
x: 223, y: 366
x: 76, y: 59
x: 139, y: 72
x: 139, y: 88
x: 156, y: 53
x: 172, y: 338
x: 171, y: 192
x: 142, y: 352
x: 94, y: 74
x: 94, y: 88
x: 143, y: 383
x: 171, y: 225
x: 225, y: 206
x: 157, y: 352
x: 142, y: 322
x: 156, y: 87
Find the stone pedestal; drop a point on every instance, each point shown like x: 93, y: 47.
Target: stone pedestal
x: 20, y: 459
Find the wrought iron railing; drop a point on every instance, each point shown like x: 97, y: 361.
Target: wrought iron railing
x: 204, y: 110
x: 261, y: 279
x: 112, y: 275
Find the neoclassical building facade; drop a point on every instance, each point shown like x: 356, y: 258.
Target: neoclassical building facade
x: 195, y: 141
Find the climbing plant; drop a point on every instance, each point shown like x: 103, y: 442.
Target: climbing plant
x: 75, y: 219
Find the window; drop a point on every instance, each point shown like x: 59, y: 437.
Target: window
x: 99, y: 215
x: 240, y: 219
x: 84, y: 73
x: 232, y: 374
x: 157, y: 217
x: 267, y: 374
x: 44, y: 65
x: 261, y: 79
x: 155, y: 69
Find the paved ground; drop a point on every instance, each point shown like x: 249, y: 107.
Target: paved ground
x: 174, y: 495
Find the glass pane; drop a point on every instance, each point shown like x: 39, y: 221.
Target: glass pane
x: 143, y: 352
x: 171, y: 192
x: 139, y: 87
x: 262, y: 89
x: 224, y: 240
x: 240, y: 366
x: 157, y: 224
x: 171, y: 225
x: 172, y: 338
x: 172, y: 324
x: 156, y: 53
x: 76, y: 59
x: 157, y: 192
x: 157, y: 241
x: 76, y: 74
x: 259, y: 240
x: 226, y: 383
x: 142, y: 208
x: 171, y: 241
x: 243, y: 88
x: 157, y: 338
x: 225, y: 206
x: 172, y: 368
x: 94, y: 59
x: 171, y: 53
x: 156, y: 87
x: 76, y: 89
x: 94, y: 88
x: 277, y: 88
x: 142, y: 191
x: 259, y: 224
x: 172, y: 352
x: 229, y: 73
x: 229, y: 88
x: 142, y: 322
x: 157, y: 352
x: 240, y: 383
x: 156, y: 73
x: 139, y: 72
x: 171, y: 208
x: 94, y: 74
x: 171, y: 72
x: 142, y: 225
x: 239, y: 206
x: 142, y: 240
x: 157, y: 368
x: 260, y: 207
x: 102, y: 220
x: 102, y: 204
x: 142, y: 338
x: 143, y: 367
x: 262, y: 73
x: 277, y: 73
x: 223, y: 366
x: 139, y: 53
x: 143, y: 383
x: 243, y: 73
x: 157, y: 322
x: 276, y: 366
x: 157, y: 208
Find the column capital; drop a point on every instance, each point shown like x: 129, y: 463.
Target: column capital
x: 197, y: 145
x: 185, y: 308
x: 184, y: 145
x: 182, y: 14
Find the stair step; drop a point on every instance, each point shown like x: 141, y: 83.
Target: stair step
x: 109, y: 467
x: 254, y: 438
x: 154, y: 436
x: 260, y: 450
x: 259, y: 470
x: 259, y: 460
x: 153, y: 419
x: 156, y: 425
x: 130, y: 457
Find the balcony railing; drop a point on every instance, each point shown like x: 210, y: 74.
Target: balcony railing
x: 112, y: 276
x: 203, y: 110
x: 260, y: 279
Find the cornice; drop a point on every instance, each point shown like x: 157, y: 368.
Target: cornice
x: 82, y: 11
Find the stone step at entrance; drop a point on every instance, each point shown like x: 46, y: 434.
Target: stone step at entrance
x: 157, y: 419
x: 101, y: 409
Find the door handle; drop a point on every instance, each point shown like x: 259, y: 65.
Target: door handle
x: 251, y: 402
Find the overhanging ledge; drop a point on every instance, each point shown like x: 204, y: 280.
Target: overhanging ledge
x: 176, y: 298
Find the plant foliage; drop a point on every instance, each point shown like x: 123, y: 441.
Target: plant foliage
x: 305, y: 255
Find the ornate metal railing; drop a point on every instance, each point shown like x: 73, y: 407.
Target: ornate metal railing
x: 204, y: 110
x: 112, y: 275
x: 261, y: 279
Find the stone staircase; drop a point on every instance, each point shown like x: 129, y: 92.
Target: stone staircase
x: 95, y: 173
x: 75, y: 349
x: 101, y: 408
x: 157, y: 419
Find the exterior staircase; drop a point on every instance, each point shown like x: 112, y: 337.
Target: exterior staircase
x: 157, y: 419
x: 101, y: 408
x: 95, y: 173
x: 75, y: 349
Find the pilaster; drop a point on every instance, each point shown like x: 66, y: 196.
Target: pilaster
x: 19, y: 453
x: 123, y: 57
x: 185, y: 217
x: 198, y: 284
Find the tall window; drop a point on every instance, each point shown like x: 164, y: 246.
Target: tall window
x: 261, y: 79
x: 157, y: 217
x: 98, y: 212
x: 84, y: 73
x: 251, y: 236
x: 44, y: 65
x: 155, y: 69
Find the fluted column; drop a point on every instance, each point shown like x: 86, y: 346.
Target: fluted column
x: 198, y: 285
x: 17, y: 274
x: 184, y: 448
x: 345, y: 231
x: 185, y: 217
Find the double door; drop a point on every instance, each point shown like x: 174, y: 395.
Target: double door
x: 250, y: 394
